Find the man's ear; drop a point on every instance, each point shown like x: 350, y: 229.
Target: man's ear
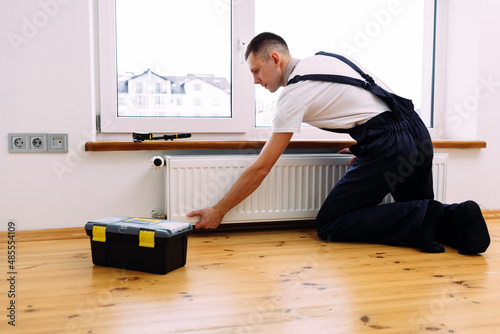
x: 276, y: 58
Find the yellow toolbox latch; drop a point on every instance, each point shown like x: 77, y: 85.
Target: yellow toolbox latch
x: 147, y: 239
x: 99, y: 233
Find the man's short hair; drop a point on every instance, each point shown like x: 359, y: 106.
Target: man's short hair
x: 264, y: 44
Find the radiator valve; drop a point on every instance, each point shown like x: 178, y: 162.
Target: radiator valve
x: 156, y: 215
x: 157, y: 162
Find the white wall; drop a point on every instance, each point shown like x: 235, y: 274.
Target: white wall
x: 46, y: 85
x: 473, y: 174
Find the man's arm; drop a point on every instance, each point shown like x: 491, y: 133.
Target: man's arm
x: 246, y: 184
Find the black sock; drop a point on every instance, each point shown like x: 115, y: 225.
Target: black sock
x: 432, y: 215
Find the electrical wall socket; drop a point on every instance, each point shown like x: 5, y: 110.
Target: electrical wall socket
x: 18, y: 142
x: 38, y: 142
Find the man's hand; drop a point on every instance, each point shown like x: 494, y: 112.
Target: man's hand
x: 347, y: 151
x: 210, y: 218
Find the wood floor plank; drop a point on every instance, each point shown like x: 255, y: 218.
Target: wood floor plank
x: 264, y: 281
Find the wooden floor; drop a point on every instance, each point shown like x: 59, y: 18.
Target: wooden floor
x: 253, y: 282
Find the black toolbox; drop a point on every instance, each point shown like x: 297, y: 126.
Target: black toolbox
x: 149, y: 245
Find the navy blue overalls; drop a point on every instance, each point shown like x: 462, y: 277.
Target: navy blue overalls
x: 394, y: 155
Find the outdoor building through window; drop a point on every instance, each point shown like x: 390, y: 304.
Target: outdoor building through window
x: 163, y: 53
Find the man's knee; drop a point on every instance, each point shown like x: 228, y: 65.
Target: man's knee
x: 327, y: 227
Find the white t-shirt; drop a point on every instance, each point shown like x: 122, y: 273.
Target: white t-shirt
x: 325, y: 105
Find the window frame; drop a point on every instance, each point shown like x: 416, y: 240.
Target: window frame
x: 242, y: 123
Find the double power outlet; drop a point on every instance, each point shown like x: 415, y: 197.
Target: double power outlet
x: 38, y: 142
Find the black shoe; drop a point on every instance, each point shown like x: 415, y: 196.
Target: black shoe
x: 475, y: 236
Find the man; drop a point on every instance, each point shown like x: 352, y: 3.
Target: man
x: 393, y: 155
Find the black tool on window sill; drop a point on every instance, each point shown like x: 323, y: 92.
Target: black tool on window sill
x: 141, y: 136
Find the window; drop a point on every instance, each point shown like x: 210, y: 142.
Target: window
x: 153, y: 48
x: 158, y: 101
x: 150, y: 47
x: 138, y: 88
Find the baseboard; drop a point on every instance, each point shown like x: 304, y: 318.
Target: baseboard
x: 51, y: 234
x: 80, y: 233
x: 491, y: 214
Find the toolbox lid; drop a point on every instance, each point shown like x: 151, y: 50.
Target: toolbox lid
x: 133, y: 226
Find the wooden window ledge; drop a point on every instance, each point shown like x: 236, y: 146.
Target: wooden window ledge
x: 248, y: 144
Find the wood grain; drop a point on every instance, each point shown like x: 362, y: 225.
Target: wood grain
x: 248, y: 145
x: 262, y: 281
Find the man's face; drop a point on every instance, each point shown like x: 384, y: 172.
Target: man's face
x: 266, y: 73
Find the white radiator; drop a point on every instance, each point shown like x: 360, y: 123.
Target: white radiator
x: 294, y: 189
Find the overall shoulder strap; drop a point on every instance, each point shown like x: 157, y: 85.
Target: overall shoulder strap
x: 394, y: 102
x: 338, y: 78
x: 348, y: 62
x: 329, y: 78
